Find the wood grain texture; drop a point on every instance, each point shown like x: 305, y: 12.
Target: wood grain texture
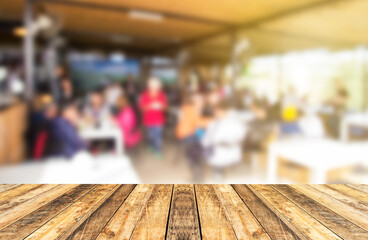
x: 351, y: 191
x: 245, y: 225
x: 339, y: 225
x: 214, y: 222
x: 122, y: 224
x: 97, y: 221
x: 6, y: 187
x: 270, y: 222
x: 289, y: 212
x: 183, y: 219
x: 40, y: 216
x: 183, y: 212
x: 361, y: 187
x: 346, y: 211
x: 61, y: 226
x: 352, y: 194
x: 361, y: 205
x: 152, y: 223
x: 19, y: 206
x: 16, y: 191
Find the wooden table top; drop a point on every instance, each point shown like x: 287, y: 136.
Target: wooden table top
x: 184, y: 211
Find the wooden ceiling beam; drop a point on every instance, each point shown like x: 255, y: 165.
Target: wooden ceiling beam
x: 126, y: 9
x: 252, y: 24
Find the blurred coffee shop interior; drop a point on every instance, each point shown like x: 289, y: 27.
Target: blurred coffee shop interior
x: 123, y: 91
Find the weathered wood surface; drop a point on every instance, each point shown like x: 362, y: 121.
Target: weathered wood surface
x: 183, y: 212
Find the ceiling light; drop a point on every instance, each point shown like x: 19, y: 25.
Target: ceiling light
x: 151, y: 16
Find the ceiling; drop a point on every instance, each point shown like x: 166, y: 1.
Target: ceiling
x: 206, y: 28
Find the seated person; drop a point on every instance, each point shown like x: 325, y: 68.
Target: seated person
x: 222, y: 141
x: 188, y: 120
x: 127, y: 122
x: 63, y: 133
x: 50, y: 112
x: 290, y: 117
x: 96, y: 111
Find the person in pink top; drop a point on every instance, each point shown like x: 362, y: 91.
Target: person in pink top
x: 153, y: 104
x: 127, y: 122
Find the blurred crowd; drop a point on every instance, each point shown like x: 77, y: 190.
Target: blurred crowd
x: 210, y: 122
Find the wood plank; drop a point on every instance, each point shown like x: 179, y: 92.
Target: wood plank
x: 361, y: 187
x: 152, y: 224
x: 291, y: 214
x: 354, y: 193
x: 122, y: 224
x: 16, y: 191
x: 336, y: 223
x: 335, y: 205
x: 25, y: 226
x: 22, y: 205
x: 183, y: 219
x: 5, y: 187
x: 275, y: 228
x: 361, y: 205
x: 214, y: 223
x: 95, y: 223
x: 24, y: 197
x: 245, y: 225
x: 61, y: 226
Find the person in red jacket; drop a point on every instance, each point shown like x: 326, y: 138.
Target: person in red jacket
x: 153, y: 104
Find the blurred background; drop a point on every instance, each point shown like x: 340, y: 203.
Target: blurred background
x: 121, y: 91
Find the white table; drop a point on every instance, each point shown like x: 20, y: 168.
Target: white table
x: 318, y: 155
x: 360, y: 120
x: 103, y: 169
x: 105, y: 133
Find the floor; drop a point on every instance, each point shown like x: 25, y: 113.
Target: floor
x: 184, y: 212
x: 173, y: 167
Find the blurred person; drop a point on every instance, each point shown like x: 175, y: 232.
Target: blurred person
x: 209, y: 102
x: 111, y: 93
x: 66, y: 90
x: 189, y: 117
x: 340, y: 100
x: 97, y: 111
x: 338, y: 104
x: 222, y: 141
x: 153, y: 104
x: 261, y: 127
x: 190, y: 128
x: 36, y: 120
x: 290, y: 113
x: 127, y: 122
x: 60, y: 73
x: 131, y: 90
x: 64, y: 134
x: 42, y: 143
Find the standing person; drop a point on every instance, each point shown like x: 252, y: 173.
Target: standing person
x: 131, y: 90
x: 112, y: 93
x: 67, y: 90
x: 127, y: 122
x: 338, y: 104
x: 153, y: 104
